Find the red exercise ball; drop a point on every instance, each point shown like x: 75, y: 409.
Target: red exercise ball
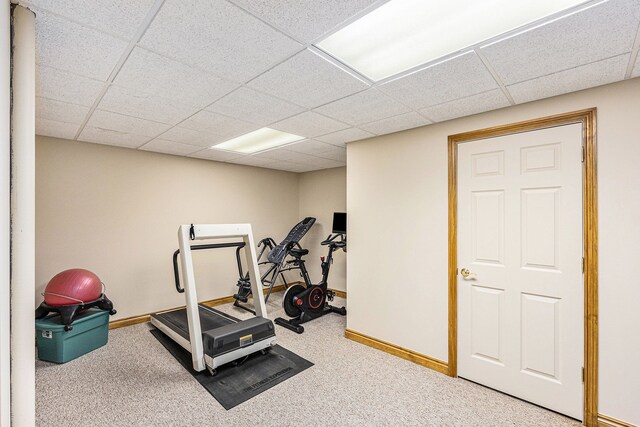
x: 72, y: 286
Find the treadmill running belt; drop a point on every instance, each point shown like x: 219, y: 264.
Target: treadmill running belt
x: 233, y: 385
x: 210, y: 318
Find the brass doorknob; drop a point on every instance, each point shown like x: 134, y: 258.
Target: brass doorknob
x: 467, y: 275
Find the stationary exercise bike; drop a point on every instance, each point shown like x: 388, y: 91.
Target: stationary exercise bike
x: 308, y: 302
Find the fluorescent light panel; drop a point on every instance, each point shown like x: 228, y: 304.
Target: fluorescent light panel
x: 259, y: 140
x: 402, y: 34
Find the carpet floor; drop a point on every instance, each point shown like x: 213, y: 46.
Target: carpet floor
x: 134, y: 381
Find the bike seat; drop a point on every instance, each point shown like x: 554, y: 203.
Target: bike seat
x: 298, y: 253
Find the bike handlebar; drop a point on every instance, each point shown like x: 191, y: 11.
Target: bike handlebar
x: 330, y: 240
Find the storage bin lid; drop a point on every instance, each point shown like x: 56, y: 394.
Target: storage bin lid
x: 53, y: 322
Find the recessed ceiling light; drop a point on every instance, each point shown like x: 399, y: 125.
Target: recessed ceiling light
x: 403, y: 34
x: 258, y: 140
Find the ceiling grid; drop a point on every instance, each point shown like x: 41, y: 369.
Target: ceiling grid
x: 634, y: 59
x: 147, y: 21
x: 158, y: 76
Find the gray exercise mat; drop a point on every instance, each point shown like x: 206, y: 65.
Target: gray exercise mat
x: 233, y: 385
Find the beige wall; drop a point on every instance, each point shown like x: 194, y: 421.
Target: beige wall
x: 397, y: 194
x: 321, y: 194
x: 116, y: 212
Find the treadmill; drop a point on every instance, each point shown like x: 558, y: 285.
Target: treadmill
x: 213, y: 337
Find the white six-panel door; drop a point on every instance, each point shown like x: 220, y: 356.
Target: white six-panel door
x: 520, y: 308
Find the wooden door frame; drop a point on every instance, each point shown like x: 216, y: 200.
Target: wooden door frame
x: 587, y: 118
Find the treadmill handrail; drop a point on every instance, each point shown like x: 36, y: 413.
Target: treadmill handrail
x: 189, y: 232
x: 176, y: 273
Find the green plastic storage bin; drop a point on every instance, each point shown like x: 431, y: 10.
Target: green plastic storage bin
x: 90, y: 331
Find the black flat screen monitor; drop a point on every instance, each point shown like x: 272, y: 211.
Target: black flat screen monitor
x: 339, y: 223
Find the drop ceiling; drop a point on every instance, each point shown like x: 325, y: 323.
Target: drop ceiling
x: 177, y: 77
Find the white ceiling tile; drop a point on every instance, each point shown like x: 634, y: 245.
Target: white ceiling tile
x: 169, y: 79
x: 60, y: 111
x: 140, y: 104
x: 191, y: 137
x: 217, y: 155
x: 308, y: 80
x: 304, y: 159
x: 56, y: 129
x: 636, y: 69
x: 295, y: 167
x: 251, y: 161
x: 169, y: 147
x: 338, y: 154
x: 363, y: 107
x: 219, y: 125
x: 278, y: 154
x: 217, y: 36
x: 310, y: 147
x: 284, y: 158
x: 319, y: 166
x: 586, y: 76
x: 252, y: 106
x: 328, y: 163
x: 64, y: 86
x: 69, y: 46
x: 343, y: 136
x: 455, y: 78
x: 283, y: 165
x: 305, y: 20
x: 309, y: 124
x: 111, y: 137
x: 302, y: 168
x: 599, y: 32
x: 290, y: 166
x: 121, y: 123
x: 475, y: 104
x: 396, y: 124
x: 118, y: 17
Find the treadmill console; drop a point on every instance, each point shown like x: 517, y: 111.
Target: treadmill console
x: 237, y: 335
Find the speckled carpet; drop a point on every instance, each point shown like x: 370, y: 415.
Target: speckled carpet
x: 134, y: 381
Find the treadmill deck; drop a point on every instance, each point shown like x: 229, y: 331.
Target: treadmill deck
x: 209, y: 319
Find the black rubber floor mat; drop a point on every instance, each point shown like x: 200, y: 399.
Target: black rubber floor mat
x: 233, y: 385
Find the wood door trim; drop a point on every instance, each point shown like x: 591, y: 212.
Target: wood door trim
x: 587, y: 118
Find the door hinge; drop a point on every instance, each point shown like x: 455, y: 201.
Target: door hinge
x: 583, y: 374
x: 582, y: 265
x: 583, y: 154
x: 456, y: 271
